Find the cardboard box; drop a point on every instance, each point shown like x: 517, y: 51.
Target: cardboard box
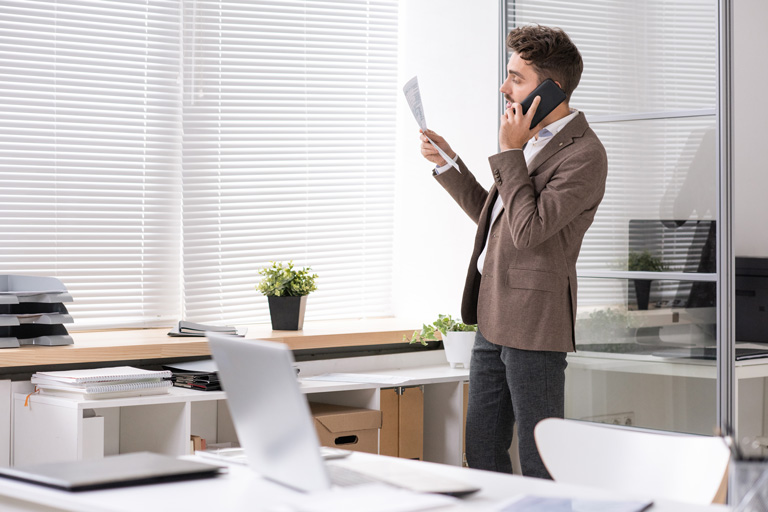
x: 390, y: 422
x: 402, y: 426
x: 345, y: 427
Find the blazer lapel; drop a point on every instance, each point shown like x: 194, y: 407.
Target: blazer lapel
x: 485, y: 217
x: 493, y: 193
x: 564, y: 138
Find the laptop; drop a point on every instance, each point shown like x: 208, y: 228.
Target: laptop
x: 274, y: 425
x: 710, y: 353
x: 115, y: 471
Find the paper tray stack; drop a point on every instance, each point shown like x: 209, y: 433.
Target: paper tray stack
x: 32, y: 311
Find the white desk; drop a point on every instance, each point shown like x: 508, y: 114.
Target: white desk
x: 243, y: 490
x: 669, y: 393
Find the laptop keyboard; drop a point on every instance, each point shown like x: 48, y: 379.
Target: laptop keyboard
x: 345, y: 477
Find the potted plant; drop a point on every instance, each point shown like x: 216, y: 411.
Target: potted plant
x: 458, y: 339
x: 286, y: 289
x: 603, y: 330
x: 646, y: 262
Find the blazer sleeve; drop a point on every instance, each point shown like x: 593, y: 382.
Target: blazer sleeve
x: 574, y: 187
x: 464, y: 189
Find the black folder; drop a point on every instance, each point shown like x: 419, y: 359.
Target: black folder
x: 115, y: 471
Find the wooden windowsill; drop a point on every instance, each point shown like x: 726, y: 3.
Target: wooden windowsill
x: 127, y: 345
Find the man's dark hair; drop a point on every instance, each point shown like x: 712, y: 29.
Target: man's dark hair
x: 550, y: 52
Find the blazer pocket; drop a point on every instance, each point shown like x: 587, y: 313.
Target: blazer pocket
x: 533, y: 280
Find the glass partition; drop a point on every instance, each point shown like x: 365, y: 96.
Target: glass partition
x: 645, y: 363
x: 647, y: 319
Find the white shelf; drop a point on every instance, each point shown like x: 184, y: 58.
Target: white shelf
x: 53, y: 428
x: 175, y: 395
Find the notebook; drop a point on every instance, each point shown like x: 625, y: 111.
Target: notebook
x: 121, y: 390
x: 116, y: 471
x: 274, y: 426
x: 117, y: 373
x: 99, y: 383
x: 191, y: 329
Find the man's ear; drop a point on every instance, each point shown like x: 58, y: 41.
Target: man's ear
x: 559, y: 85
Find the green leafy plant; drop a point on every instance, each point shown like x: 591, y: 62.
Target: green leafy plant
x: 602, y: 326
x: 645, y: 261
x: 285, y: 281
x: 444, y: 324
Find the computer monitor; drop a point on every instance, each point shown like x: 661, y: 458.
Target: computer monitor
x: 687, y: 246
x: 751, y: 303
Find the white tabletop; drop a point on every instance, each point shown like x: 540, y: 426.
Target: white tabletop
x: 242, y: 490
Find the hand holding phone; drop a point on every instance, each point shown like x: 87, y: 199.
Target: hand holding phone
x: 551, y: 96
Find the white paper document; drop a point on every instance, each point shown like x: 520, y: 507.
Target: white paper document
x: 413, y: 97
x: 553, y: 504
x: 359, y: 377
x: 371, y: 498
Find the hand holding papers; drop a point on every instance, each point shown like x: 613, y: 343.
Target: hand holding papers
x: 413, y: 97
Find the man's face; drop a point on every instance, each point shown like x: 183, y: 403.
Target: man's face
x: 521, y: 80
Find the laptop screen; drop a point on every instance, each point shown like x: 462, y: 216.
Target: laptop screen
x: 270, y: 414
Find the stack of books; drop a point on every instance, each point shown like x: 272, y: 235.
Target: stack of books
x: 203, y: 381
x: 200, y: 375
x: 99, y: 383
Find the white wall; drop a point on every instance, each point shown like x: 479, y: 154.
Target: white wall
x: 751, y: 126
x: 452, y: 45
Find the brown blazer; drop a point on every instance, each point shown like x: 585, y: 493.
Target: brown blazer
x: 526, y: 297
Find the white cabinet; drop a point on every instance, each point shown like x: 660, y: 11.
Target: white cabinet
x: 5, y: 423
x: 53, y: 428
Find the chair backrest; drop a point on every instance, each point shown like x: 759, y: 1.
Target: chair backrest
x: 653, y: 464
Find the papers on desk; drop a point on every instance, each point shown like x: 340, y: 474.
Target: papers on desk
x: 371, y: 498
x: 366, y: 378
x: 551, y: 504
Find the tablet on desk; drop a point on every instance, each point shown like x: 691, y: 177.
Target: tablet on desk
x: 116, y: 471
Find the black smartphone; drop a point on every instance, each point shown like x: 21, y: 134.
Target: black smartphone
x: 551, y: 97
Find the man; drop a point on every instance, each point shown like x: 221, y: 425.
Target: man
x: 521, y: 284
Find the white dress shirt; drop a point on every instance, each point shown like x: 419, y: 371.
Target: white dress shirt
x: 532, y: 148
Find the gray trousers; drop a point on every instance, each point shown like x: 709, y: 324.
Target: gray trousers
x: 507, y: 385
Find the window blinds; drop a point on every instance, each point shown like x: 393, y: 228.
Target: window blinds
x: 655, y: 56
x: 288, y: 153
x: 89, y: 153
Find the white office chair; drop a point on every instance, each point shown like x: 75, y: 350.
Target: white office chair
x: 652, y: 464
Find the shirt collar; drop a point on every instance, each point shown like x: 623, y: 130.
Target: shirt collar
x: 552, y: 128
